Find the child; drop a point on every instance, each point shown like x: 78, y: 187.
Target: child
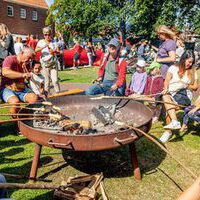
x: 37, y: 80
x: 139, y: 78
x: 191, y: 112
x: 154, y: 87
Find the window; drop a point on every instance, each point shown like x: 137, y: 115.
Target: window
x: 34, y: 16
x: 23, y: 13
x: 10, y: 11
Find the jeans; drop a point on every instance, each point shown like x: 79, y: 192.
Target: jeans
x: 105, y: 88
x: 195, y: 116
x: 2, y: 191
x: 7, y: 93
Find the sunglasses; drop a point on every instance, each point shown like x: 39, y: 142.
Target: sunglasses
x: 47, y: 34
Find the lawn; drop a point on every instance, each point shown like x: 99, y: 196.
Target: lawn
x: 162, y: 177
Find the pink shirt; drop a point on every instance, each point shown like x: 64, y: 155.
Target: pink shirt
x: 11, y: 62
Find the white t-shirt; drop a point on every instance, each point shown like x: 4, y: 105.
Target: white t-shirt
x: 45, y: 52
x: 18, y: 47
x: 35, y: 83
x: 176, y: 83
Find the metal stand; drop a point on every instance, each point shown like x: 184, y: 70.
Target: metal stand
x: 134, y: 160
x: 36, y: 158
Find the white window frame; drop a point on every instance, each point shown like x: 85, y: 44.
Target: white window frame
x: 34, y: 15
x: 22, y: 13
x: 12, y: 10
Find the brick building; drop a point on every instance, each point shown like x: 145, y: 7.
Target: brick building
x: 24, y: 17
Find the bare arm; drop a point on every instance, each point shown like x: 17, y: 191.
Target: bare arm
x: 192, y: 193
x: 13, y: 74
x: 167, y: 79
x: 170, y: 58
x: 193, y: 86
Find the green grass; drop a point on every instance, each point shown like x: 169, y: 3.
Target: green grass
x: 83, y: 75
x: 161, y: 174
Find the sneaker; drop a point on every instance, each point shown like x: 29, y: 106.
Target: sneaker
x: 173, y: 125
x: 73, y: 68
x: 166, y: 136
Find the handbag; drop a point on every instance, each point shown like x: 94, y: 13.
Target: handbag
x: 181, y: 97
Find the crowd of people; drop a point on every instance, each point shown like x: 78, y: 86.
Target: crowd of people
x: 171, y: 77
x: 167, y: 73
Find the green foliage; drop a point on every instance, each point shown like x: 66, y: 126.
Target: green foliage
x: 105, y: 17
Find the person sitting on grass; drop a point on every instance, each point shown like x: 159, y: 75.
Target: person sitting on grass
x: 37, y: 80
x: 112, y: 73
x: 138, y: 81
x: 154, y: 87
x: 180, y: 81
x: 15, y: 70
x: 191, y: 112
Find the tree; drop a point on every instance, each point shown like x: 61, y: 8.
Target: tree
x: 106, y: 17
x: 82, y: 17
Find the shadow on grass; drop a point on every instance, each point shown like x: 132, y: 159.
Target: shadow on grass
x: 116, y: 162
x: 47, y: 195
x: 26, y: 167
x: 11, y: 152
x: 63, y: 80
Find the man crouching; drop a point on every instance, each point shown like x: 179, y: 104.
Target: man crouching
x: 15, y: 70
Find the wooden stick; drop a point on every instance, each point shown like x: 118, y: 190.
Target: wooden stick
x: 103, y: 192
x: 163, y: 148
x: 25, y: 114
x: 22, y: 119
x: 23, y: 177
x: 21, y: 107
x: 47, y: 103
x: 138, y: 99
x: 69, y: 92
x: 27, y: 186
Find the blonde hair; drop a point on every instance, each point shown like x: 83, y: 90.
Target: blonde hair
x: 166, y: 31
x: 3, y: 31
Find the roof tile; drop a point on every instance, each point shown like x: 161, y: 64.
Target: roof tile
x: 34, y: 3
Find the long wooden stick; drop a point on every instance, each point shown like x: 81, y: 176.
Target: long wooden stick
x: 25, y: 114
x: 22, y: 119
x: 17, y: 176
x: 138, y: 99
x: 47, y: 103
x: 163, y: 148
x: 26, y: 108
x: 27, y: 186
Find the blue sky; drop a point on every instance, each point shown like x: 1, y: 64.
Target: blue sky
x: 49, y: 2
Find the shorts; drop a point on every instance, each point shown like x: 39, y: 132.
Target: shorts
x: 7, y: 93
x: 77, y: 56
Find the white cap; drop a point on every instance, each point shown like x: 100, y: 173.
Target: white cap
x: 141, y: 63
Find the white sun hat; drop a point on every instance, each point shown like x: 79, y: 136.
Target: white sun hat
x: 141, y: 63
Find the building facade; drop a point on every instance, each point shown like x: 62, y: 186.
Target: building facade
x: 24, y: 17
